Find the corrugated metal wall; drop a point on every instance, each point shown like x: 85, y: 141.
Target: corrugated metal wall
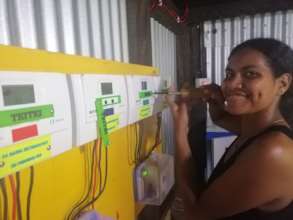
x: 164, y: 58
x: 220, y: 36
x: 96, y: 28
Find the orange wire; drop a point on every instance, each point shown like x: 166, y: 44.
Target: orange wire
x: 13, y: 189
x: 95, y: 172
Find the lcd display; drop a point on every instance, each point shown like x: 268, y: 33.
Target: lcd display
x: 106, y: 88
x: 144, y: 85
x: 18, y: 94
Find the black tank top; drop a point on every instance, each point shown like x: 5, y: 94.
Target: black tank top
x: 253, y: 214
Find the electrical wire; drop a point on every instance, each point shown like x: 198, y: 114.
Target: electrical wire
x: 162, y: 4
x: 90, y: 181
x: 19, y: 212
x: 131, y: 149
x: 1, y: 204
x: 13, y: 190
x: 5, y: 199
x: 106, y: 174
x: 139, y: 148
x: 157, y: 138
x: 136, y: 143
x: 88, y: 191
x: 101, y: 189
x: 130, y: 160
x: 87, y: 165
x: 136, y: 159
x: 95, y: 173
x: 30, y: 191
x: 99, y: 166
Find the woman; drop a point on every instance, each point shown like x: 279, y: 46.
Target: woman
x: 254, y: 178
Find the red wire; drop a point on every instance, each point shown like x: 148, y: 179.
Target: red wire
x: 179, y: 19
x: 13, y: 189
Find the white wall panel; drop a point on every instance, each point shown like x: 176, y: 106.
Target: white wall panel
x: 278, y: 29
x: 95, y: 28
x: 116, y: 32
x: 66, y: 32
x: 81, y: 27
x: 164, y: 58
x: 24, y: 16
x: 46, y: 24
x: 208, y: 46
x: 246, y: 29
x: 107, y: 35
x: 267, y: 25
x: 124, y: 30
x: 257, y: 28
x: 227, y: 41
x: 4, y: 27
x: 289, y: 27
x: 237, y: 31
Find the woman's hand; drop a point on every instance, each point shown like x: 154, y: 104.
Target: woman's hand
x: 180, y: 115
x: 212, y: 94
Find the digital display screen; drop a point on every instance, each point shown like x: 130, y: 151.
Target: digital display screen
x: 18, y: 94
x: 144, y: 85
x: 106, y: 88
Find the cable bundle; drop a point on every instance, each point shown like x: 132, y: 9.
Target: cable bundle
x: 91, y: 191
x: 15, y: 192
x: 162, y: 4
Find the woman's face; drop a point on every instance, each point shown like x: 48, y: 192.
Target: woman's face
x: 249, y: 85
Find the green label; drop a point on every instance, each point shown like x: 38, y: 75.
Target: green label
x: 24, y: 154
x: 145, y: 94
x: 144, y: 111
x: 111, y: 100
x: 112, y: 122
x: 102, y: 122
x: 19, y: 116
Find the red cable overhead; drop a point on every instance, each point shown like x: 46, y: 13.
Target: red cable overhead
x: 161, y: 4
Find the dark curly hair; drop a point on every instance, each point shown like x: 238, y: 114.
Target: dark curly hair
x: 279, y: 57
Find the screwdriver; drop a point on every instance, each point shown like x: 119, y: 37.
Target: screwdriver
x: 170, y: 93
x: 193, y: 93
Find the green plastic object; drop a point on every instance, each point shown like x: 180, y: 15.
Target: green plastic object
x: 102, y: 125
x: 23, y: 115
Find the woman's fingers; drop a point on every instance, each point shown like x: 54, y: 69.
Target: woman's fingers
x: 173, y: 106
x: 212, y: 93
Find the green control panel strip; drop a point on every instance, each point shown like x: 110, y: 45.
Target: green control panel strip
x: 111, y: 100
x: 145, y: 94
x: 23, y: 115
x: 102, y: 126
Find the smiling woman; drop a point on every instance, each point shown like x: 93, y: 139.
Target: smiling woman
x: 254, y: 178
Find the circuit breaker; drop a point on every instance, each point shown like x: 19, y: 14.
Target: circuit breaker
x: 141, y: 97
x: 35, y: 117
x: 97, y: 95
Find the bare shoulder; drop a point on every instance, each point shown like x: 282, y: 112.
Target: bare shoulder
x: 273, y: 145
x: 273, y: 154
